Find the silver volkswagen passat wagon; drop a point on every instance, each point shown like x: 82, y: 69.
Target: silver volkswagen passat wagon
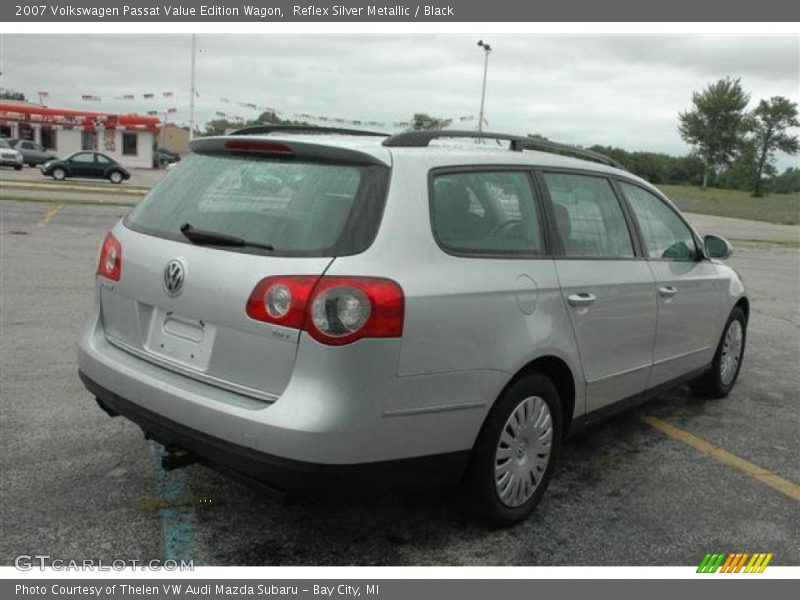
x: 309, y: 307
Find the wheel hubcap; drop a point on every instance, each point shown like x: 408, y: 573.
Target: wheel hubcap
x: 523, y: 451
x: 731, y: 352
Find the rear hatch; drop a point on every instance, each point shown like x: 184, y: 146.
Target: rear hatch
x: 254, y: 209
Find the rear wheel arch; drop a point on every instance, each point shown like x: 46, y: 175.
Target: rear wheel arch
x: 744, y: 304
x: 560, y: 374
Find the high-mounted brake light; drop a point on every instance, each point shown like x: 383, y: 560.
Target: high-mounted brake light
x: 110, y: 263
x: 332, y: 310
x: 258, y: 146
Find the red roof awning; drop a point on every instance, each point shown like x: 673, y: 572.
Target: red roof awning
x: 30, y: 113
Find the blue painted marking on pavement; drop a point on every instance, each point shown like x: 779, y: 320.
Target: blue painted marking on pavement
x: 177, y: 522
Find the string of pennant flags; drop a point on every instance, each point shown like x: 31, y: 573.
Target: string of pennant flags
x: 284, y: 114
x: 323, y: 118
x: 96, y: 98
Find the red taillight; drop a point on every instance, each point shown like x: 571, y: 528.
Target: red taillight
x: 265, y: 303
x: 333, y: 310
x: 110, y: 263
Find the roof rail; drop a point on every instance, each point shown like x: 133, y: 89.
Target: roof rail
x: 518, y: 143
x: 558, y: 148
x: 314, y: 129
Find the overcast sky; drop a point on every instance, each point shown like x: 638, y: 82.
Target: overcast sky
x: 616, y: 90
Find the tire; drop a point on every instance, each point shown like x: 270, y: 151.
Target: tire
x: 719, y: 380
x: 506, y: 481
x: 32, y: 164
x: 18, y: 167
x: 59, y: 174
x: 115, y: 177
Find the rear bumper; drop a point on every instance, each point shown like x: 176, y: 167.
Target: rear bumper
x: 281, y: 474
x: 343, y: 411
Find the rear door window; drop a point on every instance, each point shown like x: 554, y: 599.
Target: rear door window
x: 300, y: 208
x: 588, y: 217
x: 486, y: 213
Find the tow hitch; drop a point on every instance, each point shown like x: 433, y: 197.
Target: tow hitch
x: 176, y: 458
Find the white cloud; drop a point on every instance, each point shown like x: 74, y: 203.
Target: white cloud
x: 617, y: 90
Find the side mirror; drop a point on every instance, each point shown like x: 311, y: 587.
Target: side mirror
x: 717, y: 247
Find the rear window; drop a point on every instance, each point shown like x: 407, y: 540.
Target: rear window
x: 300, y: 208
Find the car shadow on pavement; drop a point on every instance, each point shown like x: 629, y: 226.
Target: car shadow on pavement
x: 241, y: 525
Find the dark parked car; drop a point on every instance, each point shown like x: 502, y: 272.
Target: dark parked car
x: 86, y: 164
x: 162, y: 158
x: 32, y: 153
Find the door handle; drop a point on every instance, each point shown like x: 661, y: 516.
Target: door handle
x: 581, y: 299
x: 667, y: 291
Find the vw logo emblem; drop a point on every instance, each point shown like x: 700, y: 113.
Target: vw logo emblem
x: 174, y: 274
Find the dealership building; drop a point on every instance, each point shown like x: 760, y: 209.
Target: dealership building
x: 126, y: 138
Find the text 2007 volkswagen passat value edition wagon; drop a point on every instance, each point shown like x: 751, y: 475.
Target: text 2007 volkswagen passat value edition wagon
x: 306, y: 306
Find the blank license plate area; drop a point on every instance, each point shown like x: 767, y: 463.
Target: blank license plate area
x: 181, y: 339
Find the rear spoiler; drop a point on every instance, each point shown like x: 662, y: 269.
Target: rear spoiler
x: 285, y: 148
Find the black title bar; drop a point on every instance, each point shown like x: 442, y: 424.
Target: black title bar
x: 399, y: 11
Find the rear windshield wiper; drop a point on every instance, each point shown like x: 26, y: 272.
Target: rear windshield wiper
x: 210, y: 238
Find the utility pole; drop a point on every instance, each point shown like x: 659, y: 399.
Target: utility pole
x: 193, y: 91
x: 164, y: 128
x: 486, y: 50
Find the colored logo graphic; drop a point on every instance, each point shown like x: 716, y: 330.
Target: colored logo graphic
x: 734, y: 562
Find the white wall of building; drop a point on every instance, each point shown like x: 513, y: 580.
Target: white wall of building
x: 109, y: 142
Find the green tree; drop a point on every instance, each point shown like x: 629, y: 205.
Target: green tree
x: 217, y: 127
x: 787, y: 182
x: 769, y: 123
x: 425, y: 121
x: 6, y: 94
x: 715, y: 125
x: 740, y: 174
x: 270, y: 118
x: 222, y: 125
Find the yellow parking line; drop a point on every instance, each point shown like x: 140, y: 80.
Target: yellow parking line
x: 50, y: 215
x: 719, y: 454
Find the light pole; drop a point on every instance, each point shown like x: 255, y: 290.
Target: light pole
x: 486, y: 50
x: 192, y: 91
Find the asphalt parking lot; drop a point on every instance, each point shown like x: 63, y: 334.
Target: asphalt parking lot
x: 77, y: 484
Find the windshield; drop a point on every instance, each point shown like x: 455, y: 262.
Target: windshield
x: 299, y: 208
x: 4, y: 144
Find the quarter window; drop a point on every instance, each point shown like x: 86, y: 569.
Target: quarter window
x: 588, y: 217
x: 486, y: 212
x: 664, y: 233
